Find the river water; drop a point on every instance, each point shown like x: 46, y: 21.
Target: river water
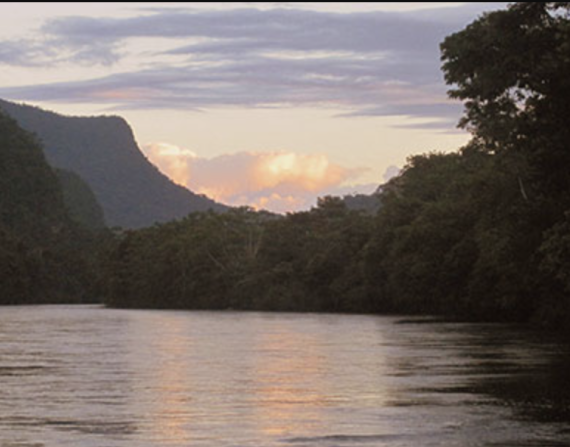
x: 86, y: 376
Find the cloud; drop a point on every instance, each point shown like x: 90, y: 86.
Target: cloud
x: 277, y: 181
x: 172, y: 160
x: 24, y: 53
x: 361, y: 64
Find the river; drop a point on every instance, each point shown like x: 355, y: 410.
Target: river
x: 87, y: 376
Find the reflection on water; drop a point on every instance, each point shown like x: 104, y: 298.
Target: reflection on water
x: 279, y: 381
x: 169, y: 385
x: 91, y: 377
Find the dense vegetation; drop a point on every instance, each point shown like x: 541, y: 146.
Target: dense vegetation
x: 103, y: 152
x: 482, y: 233
x: 43, y: 253
x: 244, y: 260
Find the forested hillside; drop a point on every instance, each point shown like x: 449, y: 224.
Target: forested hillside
x: 42, y: 251
x: 103, y: 152
x: 80, y: 201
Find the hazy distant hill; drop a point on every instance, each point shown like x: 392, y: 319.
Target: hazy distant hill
x: 103, y: 152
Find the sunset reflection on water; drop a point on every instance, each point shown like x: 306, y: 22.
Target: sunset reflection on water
x: 171, y: 383
x: 271, y: 380
x: 288, y: 365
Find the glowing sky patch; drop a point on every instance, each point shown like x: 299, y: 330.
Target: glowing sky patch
x: 277, y: 181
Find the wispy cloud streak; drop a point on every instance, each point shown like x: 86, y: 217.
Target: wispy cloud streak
x: 360, y: 64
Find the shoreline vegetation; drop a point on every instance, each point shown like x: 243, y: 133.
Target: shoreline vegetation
x: 479, y: 234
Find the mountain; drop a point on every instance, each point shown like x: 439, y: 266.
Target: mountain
x: 80, y: 201
x: 31, y: 201
x: 102, y: 151
x: 41, y: 248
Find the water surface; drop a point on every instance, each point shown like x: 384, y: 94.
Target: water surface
x: 87, y: 376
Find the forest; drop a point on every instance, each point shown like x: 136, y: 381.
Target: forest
x: 479, y: 234
x: 49, y: 226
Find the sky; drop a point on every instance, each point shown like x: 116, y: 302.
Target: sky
x: 265, y: 104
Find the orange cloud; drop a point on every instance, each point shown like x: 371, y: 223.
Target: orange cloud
x: 308, y: 172
x: 172, y: 160
x: 276, y: 181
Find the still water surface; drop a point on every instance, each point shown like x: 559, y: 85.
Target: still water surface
x: 87, y: 376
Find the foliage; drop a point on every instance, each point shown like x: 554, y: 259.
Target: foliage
x: 512, y: 69
x: 242, y: 260
x: 43, y: 254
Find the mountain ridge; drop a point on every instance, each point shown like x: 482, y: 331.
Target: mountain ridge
x: 102, y: 151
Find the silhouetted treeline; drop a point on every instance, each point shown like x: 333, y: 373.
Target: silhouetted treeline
x: 454, y: 236
x: 245, y: 260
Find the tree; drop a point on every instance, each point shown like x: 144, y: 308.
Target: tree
x: 512, y: 69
